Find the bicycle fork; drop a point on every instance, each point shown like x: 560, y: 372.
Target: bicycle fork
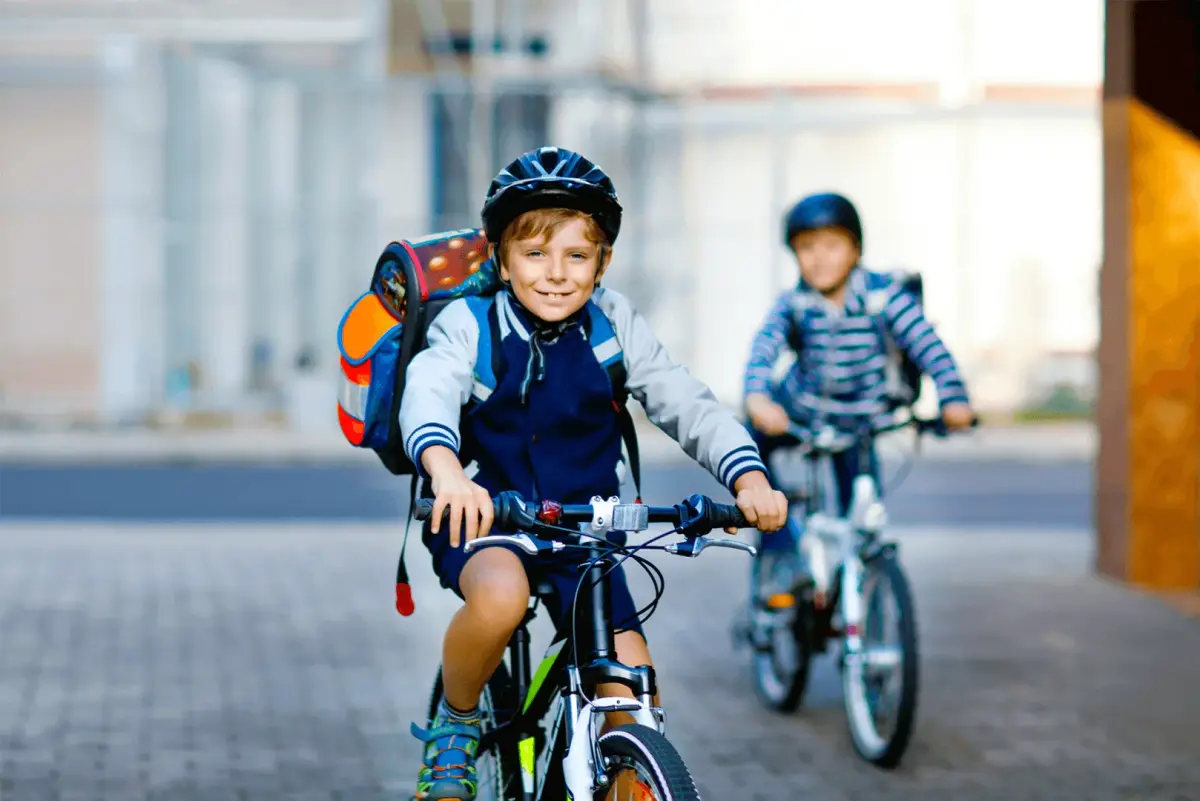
x: 584, y: 769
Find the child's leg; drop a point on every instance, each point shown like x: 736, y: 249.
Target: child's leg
x: 846, y: 469
x: 496, y: 590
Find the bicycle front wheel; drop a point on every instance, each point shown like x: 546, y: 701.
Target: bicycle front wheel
x: 880, y: 682
x: 642, y: 765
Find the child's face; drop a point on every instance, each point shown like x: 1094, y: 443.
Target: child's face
x: 554, y: 277
x: 826, y: 257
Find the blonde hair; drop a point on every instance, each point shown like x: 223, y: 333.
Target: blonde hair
x: 545, y: 223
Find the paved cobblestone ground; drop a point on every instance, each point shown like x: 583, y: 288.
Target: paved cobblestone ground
x: 220, y: 662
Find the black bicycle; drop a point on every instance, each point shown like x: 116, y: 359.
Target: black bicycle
x: 541, y: 736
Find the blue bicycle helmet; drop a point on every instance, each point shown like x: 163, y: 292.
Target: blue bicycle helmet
x: 823, y: 210
x: 551, y: 177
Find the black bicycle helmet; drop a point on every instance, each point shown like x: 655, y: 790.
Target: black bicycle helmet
x: 823, y: 210
x: 551, y: 177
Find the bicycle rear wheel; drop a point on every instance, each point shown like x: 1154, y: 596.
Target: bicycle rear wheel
x: 497, y: 764
x: 880, y: 682
x: 643, y: 765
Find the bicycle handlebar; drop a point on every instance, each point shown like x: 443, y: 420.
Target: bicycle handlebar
x: 829, y: 440
x: 695, y: 516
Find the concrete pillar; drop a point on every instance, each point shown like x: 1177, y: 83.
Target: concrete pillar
x: 181, y: 226
x: 224, y: 270
x: 131, y: 329
x: 1148, y: 465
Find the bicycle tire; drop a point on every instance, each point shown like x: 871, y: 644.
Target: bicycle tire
x: 652, y: 757
x: 499, y: 700
x: 780, y: 690
x: 887, y: 752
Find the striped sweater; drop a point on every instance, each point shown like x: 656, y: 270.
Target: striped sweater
x: 840, y: 369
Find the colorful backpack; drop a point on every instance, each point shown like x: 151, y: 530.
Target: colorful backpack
x: 382, y: 331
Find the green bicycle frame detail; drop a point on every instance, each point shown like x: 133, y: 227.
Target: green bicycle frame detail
x: 526, y: 724
x: 527, y: 747
x: 542, y: 672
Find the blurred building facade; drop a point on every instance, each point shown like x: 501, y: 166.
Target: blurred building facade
x: 190, y: 193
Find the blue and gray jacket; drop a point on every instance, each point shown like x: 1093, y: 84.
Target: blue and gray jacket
x: 548, y: 429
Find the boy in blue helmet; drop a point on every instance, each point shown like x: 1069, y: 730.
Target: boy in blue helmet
x: 831, y: 322
x: 547, y: 429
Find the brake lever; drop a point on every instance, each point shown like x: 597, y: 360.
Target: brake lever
x: 526, y: 543
x: 692, y: 548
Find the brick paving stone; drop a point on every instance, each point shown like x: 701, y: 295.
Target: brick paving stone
x: 265, y: 662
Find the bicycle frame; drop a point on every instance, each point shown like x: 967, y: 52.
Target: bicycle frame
x: 563, y: 677
x: 856, y: 535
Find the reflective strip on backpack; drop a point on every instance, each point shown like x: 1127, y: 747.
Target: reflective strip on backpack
x: 353, y: 430
x: 352, y: 397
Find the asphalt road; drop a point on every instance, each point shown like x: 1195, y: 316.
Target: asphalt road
x: 944, y: 493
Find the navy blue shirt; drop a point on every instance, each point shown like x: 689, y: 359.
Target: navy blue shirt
x: 548, y: 430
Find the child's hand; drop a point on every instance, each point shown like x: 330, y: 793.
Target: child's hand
x: 467, y: 501
x: 767, y: 416
x: 764, y: 507
x: 957, y: 416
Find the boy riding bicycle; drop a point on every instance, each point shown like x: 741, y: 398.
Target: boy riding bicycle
x: 838, y: 321
x: 546, y: 430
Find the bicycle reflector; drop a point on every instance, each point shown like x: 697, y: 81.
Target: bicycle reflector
x: 781, y: 600
x: 550, y: 513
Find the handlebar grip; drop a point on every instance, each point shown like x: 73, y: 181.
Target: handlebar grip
x: 422, y: 508
x: 724, y: 515
x: 938, y: 428
x: 506, y: 506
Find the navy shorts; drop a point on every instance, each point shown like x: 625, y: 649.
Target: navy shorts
x: 561, y: 573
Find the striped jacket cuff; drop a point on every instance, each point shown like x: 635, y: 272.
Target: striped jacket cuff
x: 737, y: 463
x: 757, y: 386
x: 425, y: 436
x: 953, y: 392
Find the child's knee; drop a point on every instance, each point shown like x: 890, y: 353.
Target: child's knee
x: 495, y: 587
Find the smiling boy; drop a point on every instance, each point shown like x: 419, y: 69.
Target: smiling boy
x: 548, y: 430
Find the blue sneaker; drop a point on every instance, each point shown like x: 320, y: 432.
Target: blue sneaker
x: 448, y: 769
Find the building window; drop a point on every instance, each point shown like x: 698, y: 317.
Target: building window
x: 520, y: 122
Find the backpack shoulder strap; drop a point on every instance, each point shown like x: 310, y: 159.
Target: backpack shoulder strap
x: 489, y: 359
x: 602, y: 336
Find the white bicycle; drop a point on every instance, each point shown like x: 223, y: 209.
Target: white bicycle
x: 854, y: 593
